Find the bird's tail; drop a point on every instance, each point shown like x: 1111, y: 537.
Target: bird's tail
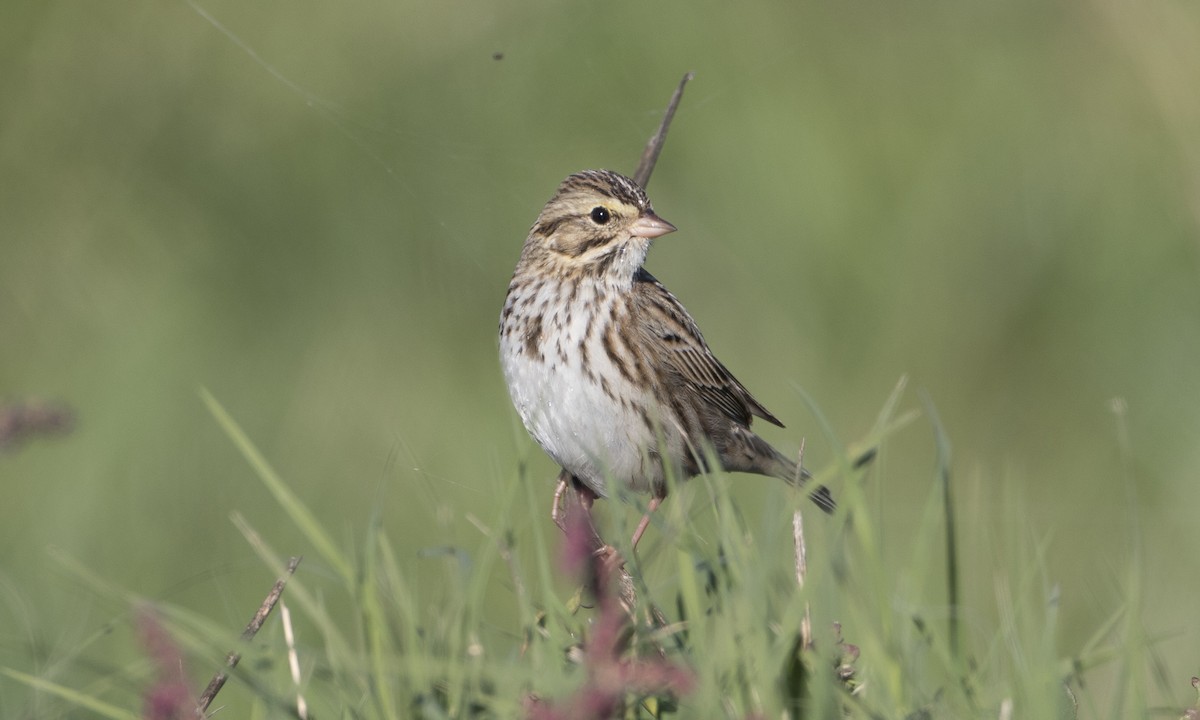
x: 792, y: 473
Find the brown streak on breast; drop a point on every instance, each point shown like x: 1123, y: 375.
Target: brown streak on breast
x: 610, y: 349
x: 533, y: 337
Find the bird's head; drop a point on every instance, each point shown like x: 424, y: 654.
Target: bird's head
x: 598, y: 223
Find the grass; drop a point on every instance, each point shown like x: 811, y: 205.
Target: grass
x: 509, y: 632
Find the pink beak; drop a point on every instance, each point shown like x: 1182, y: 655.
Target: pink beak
x: 650, y: 226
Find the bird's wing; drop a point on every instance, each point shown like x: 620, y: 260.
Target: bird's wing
x: 687, y: 356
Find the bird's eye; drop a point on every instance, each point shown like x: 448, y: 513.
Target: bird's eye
x: 600, y: 215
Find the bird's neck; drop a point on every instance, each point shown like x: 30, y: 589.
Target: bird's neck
x: 616, y: 270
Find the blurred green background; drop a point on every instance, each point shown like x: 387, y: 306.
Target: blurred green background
x: 313, y: 209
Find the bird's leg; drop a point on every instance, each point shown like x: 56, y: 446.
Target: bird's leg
x: 578, y: 501
x: 581, y: 496
x: 606, y: 571
x: 645, y: 523
x: 586, y: 495
x: 581, y: 500
x: 556, y: 510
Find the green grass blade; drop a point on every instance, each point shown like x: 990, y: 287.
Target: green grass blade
x: 296, y: 510
x: 374, y: 622
x: 72, y: 696
x: 953, y: 585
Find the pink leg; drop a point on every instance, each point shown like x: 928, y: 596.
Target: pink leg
x: 577, y: 503
x: 564, y: 481
x: 645, y: 523
x: 580, y: 498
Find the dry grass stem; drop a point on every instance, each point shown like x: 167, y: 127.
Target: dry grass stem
x: 255, y: 624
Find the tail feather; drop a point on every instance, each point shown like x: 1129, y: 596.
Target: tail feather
x: 786, y: 469
x: 743, y: 451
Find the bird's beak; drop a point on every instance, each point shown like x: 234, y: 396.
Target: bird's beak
x: 650, y: 226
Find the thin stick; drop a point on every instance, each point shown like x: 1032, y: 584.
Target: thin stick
x: 806, y: 637
x: 256, y: 623
x: 289, y: 639
x: 655, y: 145
x: 556, y: 512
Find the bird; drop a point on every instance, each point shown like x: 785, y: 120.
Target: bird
x: 607, y: 369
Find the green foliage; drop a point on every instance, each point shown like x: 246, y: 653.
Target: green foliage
x: 726, y: 609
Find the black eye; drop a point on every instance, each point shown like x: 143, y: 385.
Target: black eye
x: 600, y: 215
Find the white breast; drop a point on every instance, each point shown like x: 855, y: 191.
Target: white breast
x: 571, y: 416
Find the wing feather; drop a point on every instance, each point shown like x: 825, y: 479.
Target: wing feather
x: 686, y: 356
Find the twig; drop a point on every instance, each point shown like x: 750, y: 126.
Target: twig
x: 256, y: 623
x: 655, y: 145
x: 289, y: 639
x: 802, y: 562
x: 1074, y: 700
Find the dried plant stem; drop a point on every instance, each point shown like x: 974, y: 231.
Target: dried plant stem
x: 650, y: 154
x: 806, y: 638
x: 256, y: 623
x: 289, y: 639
